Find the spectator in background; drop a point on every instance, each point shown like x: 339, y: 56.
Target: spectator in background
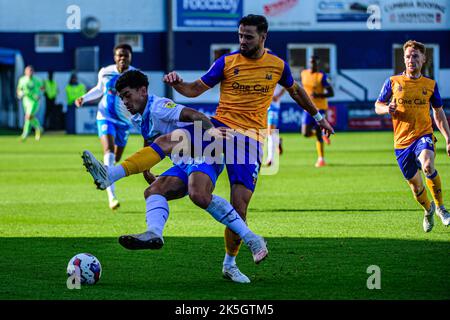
x: 51, y: 91
x: 29, y: 90
x: 74, y: 90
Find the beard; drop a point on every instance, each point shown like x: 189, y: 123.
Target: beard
x: 248, y: 53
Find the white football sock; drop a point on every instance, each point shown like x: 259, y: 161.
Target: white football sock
x: 157, y: 213
x: 229, y: 260
x: 108, y: 160
x: 223, y: 211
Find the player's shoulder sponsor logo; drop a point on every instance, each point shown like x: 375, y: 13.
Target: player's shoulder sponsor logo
x: 170, y: 105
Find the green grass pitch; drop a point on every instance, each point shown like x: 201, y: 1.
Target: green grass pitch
x: 324, y: 228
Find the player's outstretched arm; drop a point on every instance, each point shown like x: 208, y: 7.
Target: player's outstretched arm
x: 301, y: 97
x: 442, y: 124
x: 187, y: 89
x: 93, y: 94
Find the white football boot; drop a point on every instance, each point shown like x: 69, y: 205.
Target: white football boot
x: 234, y: 274
x: 97, y: 170
x: 114, y: 203
x: 444, y: 215
x: 428, y: 218
x: 258, y: 247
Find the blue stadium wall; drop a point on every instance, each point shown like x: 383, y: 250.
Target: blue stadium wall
x: 192, y: 49
x: 152, y: 58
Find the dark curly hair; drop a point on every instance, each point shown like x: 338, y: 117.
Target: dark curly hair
x: 122, y: 46
x: 134, y: 79
x: 255, y: 20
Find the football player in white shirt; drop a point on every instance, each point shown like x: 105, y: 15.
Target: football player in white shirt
x: 158, y: 119
x: 113, y: 119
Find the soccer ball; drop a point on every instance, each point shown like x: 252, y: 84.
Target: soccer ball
x: 86, y: 268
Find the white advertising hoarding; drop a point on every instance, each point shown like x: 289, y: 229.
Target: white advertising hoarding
x: 314, y: 15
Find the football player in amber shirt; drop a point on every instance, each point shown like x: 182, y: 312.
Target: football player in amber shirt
x: 315, y: 82
x: 247, y: 80
x: 407, y: 98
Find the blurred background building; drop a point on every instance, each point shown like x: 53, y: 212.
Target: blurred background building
x: 359, y: 42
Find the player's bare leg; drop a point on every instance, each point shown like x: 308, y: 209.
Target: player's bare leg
x: 420, y: 194
x: 309, y: 131
x: 320, y: 149
x: 433, y: 182
x: 200, y: 192
x: 240, y: 198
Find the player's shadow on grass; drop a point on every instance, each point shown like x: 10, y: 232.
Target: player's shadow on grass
x: 190, y: 268
x: 369, y: 165
x: 330, y: 210
x: 121, y: 211
x: 374, y: 165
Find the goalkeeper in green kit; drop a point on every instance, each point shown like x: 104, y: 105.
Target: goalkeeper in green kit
x: 29, y: 90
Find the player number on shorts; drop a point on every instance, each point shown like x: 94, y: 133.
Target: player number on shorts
x: 427, y: 140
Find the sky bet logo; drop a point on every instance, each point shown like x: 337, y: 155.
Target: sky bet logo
x: 245, y: 88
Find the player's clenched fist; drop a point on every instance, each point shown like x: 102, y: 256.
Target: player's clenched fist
x: 172, y: 78
x: 392, y: 107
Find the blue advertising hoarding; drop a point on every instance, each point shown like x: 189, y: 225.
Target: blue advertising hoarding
x: 207, y: 14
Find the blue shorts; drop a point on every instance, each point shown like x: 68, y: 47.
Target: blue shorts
x: 407, y: 158
x: 307, y: 119
x: 119, y: 132
x: 183, y: 171
x: 273, y: 116
x: 242, y: 159
x: 242, y: 155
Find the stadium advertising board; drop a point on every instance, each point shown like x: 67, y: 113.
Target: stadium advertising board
x: 342, y: 11
x: 284, y: 14
x: 85, y: 121
x: 365, y: 118
x: 415, y: 15
x: 292, y: 15
x: 207, y: 14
